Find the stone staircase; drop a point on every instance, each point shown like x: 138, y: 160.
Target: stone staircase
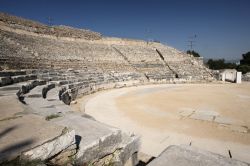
x: 127, y: 60
x: 166, y: 64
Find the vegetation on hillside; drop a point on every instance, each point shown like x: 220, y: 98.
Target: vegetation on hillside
x: 218, y: 64
x: 195, y: 54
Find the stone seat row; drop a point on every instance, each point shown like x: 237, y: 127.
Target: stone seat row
x: 7, y: 80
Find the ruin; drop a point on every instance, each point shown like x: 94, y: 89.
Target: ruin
x: 44, y: 69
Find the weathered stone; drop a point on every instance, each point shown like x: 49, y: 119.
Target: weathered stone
x: 223, y: 120
x: 66, y: 98
x: 202, y: 117
x: 186, y: 112
x: 240, y: 129
x: 51, y: 147
x: 65, y: 157
x: 129, y: 147
x: 23, y: 132
x: 189, y: 156
x: 27, y: 87
x: 5, y: 81
x: 46, y: 89
x: 95, y: 140
x: 12, y: 73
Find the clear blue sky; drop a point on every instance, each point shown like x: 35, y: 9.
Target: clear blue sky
x: 222, y: 26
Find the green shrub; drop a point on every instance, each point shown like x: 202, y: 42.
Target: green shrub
x: 243, y: 68
x: 49, y: 117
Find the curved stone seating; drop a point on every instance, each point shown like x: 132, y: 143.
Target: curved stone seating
x: 10, y: 77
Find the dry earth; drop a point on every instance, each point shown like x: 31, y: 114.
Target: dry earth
x: 214, y: 117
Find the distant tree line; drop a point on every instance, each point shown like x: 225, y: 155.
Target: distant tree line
x: 218, y: 64
x: 244, y: 66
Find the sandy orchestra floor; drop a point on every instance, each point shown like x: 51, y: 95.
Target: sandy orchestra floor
x: 214, y: 117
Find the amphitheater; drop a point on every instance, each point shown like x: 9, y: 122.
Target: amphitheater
x: 75, y: 97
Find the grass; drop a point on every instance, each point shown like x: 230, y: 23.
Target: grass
x: 53, y: 116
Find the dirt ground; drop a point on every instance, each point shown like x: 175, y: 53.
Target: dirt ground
x: 214, y: 117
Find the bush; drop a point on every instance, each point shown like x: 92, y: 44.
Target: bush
x: 220, y: 64
x: 49, y: 117
x: 195, y: 54
x: 246, y: 59
x: 244, y: 68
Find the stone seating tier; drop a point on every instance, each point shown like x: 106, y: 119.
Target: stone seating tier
x: 26, y: 51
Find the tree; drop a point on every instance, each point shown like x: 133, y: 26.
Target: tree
x: 195, y: 54
x: 244, y: 66
x: 246, y: 59
x: 220, y: 64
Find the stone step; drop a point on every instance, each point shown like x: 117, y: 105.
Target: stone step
x: 190, y: 156
x: 45, y: 107
x: 12, y: 73
x: 96, y: 140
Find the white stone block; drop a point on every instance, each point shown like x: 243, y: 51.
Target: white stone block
x: 223, y: 76
x: 238, y: 77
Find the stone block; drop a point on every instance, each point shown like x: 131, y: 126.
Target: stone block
x: 95, y: 140
x: 190, y: 156
x: 5, y: 81
x: 238, y: 77
x: 51, y: 147
x: 47, y: 88
x: 129, y: 147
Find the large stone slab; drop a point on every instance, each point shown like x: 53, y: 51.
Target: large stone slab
x: 51, y: 147
x: 23, y: 133
x: 5, y: 81
x: 95, y: 140
x: 10, y: 107
x: 189, y: 156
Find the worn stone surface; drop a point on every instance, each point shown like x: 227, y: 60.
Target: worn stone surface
x: 47, y: 88
x: 223, y: 120
x: 95, y: 139
x: 5, y: 81
x: 23, y: 133
x: 129, y: 147
x: 45, y: 107
x: 205, y: 111
x: 125, y: 154
x: 202, y: 117
x: 185, y: 112
x: 51, y: 147
x: 65, y: 157
x: 189, y: 156
x: 240, y: 129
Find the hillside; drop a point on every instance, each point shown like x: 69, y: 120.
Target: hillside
x: 26, y: 44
